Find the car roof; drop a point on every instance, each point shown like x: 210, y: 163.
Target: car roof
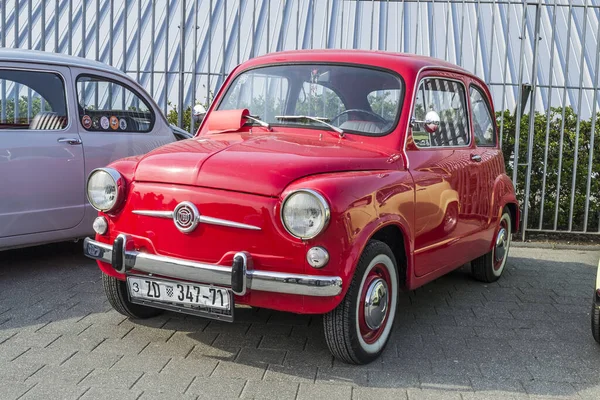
x: 45, y: 57
x: 354, y: 56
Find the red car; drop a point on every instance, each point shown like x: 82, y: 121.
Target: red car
x: 320, y: 182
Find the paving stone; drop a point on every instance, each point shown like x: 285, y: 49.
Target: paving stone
x: 303, y: 374
x: 201, y: 367
x: 108, y: 393
x: 14, y: 390
x: 54, y: 391
x: 379, y: 394
x: 227, y: 369
x: 92, y: 360
x: 171, y: 382
x: 142, y: 363
x: 158, y: 395
x: 115, y: 379
x: 170, y: 348
x: 120, y: 347
x: 455, y: 368
x: 308, y: 358
x: 445, y: 382
x: 264, y: 356
x: 282, y: 342
x: 222, y: 388
x: 343, y: 376
x: 549, y: 389
x: 237, y: 339
x: 270, y: 390
x: 394, y: 378
x: 18, y: 371
x: 60, y: 375
x: 309, y: 391
x: 427, y: 394
x: 56, y: 356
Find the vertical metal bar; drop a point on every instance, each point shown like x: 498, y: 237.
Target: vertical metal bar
x: 550, y: 79
x: 578, y: 125
x: 97, y: 32
x: 592, y: 133
x: 111, y: 32
x: 491, y: 59
x: 342, y: 27
x: 446, y: 40
x: 326, y: 27
x: 181, y: 64
x: 387, y: 19
x: 210, y: 11
x: 139, y: 40
x: 312, y: 24
x: 403, y: 27
x: 476, y: 57
x: 70, y: 28
x: 166, y: 71
x: 195, y: 68
x: 562, y: 124
x: 56, y: 23
x: 83, y: 28
x: 29, y: 25
x: 17, y: 13
x: 506, y: 48
x: 268, y: 24
x: 536, y: 41
x: 372, y: 24
x: 124, y: 38
x: 462, y: 33
x: 152, y: 47
x: 224, y: 38
x: 239, y: 43
x: 3, y: 82
x: 519, y: 99
x: 417, y: 27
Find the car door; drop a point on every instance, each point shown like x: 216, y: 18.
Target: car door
x: 442, y: 169
x: 116, y: 118
x: 488, y: 156
x: 41, y: 155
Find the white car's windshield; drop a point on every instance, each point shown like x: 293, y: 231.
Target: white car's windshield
x: 355, y: 99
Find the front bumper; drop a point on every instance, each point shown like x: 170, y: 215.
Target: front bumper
x: 240, y: 277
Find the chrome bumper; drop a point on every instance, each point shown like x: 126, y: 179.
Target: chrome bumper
x: 240, y: 277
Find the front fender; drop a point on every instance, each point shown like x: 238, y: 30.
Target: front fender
x: 361, y: 203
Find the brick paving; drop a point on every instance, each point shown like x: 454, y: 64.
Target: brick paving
x: 525, y: 336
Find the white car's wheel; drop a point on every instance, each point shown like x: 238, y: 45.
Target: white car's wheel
x: 489, y: 267
x: 358, y: 329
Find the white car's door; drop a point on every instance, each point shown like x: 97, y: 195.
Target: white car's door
x: 41, y: 155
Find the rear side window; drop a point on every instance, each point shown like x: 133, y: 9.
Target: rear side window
x: 447, y: 98
x: 483, y: 124
x: 32, y: 100
x: 108, y: 106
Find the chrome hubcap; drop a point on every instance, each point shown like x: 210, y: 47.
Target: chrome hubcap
x: 501, y: 245
x: 376, y: 303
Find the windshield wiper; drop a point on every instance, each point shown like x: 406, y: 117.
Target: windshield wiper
x: 260, y: 122
x: 322, y: 120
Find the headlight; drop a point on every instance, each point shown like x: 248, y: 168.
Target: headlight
x: 105, y: 189
x: 304, y: 213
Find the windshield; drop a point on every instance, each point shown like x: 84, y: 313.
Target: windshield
x: 355, y: 99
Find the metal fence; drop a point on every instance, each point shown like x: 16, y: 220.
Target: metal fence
x: 181, y: 51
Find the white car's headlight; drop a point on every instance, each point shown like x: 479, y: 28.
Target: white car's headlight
x: 304, y: 213
x: 105, y: 189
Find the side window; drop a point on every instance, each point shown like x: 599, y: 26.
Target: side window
x: 316, y: 100
x: 32, y: 100
x: 385, y: 103
x: 483, y: 123
x: 447, y: 98
x: 108, y: 106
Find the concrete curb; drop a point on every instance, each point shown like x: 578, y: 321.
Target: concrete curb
x: 556, y: 246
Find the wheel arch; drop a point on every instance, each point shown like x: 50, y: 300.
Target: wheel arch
x: 394, y: 236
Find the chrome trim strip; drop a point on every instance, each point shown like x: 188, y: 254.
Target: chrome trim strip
x: 150, y: 213
x: 177, y: 268
x: 202, y: 218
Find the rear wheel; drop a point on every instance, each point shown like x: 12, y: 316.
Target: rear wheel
x: 116, y: 292
x: 358, y: 329
x: 489, y: 267
x: 596, y: 321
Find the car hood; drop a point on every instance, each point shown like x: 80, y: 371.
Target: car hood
x: 262, y: 164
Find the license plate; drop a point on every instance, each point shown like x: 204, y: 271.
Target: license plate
x: 190, y: 298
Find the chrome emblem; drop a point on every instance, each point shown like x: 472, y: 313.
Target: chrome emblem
x: 186, y: 217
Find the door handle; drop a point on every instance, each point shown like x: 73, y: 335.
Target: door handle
x: 476, y: 157
x: 72, y: 141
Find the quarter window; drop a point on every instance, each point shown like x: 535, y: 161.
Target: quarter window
x: 32, y: 101
x: 483, y: 123
x: 447, y: 98
x: 108, y: 106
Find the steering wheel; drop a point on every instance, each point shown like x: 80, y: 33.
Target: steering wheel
x: 356, y: 110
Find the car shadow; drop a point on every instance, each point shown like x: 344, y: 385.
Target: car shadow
x: 527, y: 333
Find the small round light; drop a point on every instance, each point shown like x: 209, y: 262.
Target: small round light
x: 100, y: 225
x: 305, y: 213
x: 317, y: 257
x: 105, y: 189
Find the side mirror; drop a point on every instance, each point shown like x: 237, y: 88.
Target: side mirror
x: 431, y: 123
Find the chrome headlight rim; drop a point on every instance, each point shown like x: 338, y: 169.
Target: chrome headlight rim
x: 119, y: 183
x: 324, y: 205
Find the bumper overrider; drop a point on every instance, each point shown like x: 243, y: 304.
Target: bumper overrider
x: 240, y: 277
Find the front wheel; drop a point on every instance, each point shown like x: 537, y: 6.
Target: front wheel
x: 116, y: 292
x: 358, y: 329
x: 596, y: 322
x: 489, y: 267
